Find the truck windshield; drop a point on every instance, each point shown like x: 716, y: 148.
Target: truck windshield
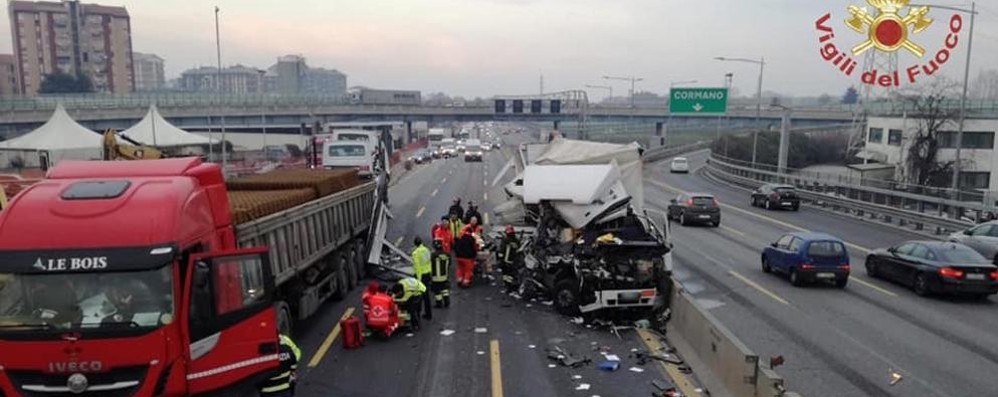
x: 347, y: 151
x: 85, y: 301
x: 354, y: 137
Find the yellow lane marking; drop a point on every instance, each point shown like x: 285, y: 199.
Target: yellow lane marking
x: 496, y: 364
x: 420, y: 212
x: 874, y: 287
x: 324, y: 347
x: 758, y: 287
x: 671, y: 370
x: 763, y: 217
x: 434, y: 192
x: 730, y: 230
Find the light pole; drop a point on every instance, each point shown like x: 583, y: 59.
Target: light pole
x: 729, y: 79
x: 784, y: 152
x: 218, y: 52
x: 603, y: 87
x: 632, y: 79
x: 966, y: 79
x: 758, y: 106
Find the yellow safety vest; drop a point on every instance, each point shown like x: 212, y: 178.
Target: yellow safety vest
x: 421, y: 261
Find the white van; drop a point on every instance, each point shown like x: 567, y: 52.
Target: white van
x: 348, y: 154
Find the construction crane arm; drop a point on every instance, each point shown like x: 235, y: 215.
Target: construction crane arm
x: 115, y: 151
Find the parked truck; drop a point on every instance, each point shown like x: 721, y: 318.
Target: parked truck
x: 152, y: 278
x: 591, y: 244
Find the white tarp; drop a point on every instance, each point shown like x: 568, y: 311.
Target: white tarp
x: 578, y: 184
x: 60, y: 137
x: 627, y: 157
x: 154, y: 130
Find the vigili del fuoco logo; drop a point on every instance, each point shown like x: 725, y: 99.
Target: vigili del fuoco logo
x: 892, y: 27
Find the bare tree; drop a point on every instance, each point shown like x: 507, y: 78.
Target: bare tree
x: 930, y: 107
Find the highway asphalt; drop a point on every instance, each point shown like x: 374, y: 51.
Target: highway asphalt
x: 835, y: 342
x: 508, y: 358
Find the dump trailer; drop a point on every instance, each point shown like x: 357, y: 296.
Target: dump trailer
x: 592, y: 244
x: 158, y: 278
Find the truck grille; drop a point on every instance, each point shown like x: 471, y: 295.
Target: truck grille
x: 24, y: 381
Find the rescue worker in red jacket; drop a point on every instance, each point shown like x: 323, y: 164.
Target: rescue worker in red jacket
x: 381, y: 314
x: 466, y: 250
x: 473, y: 227
x: 441, y: 232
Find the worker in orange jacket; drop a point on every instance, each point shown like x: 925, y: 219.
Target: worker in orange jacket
x: 441, y: 231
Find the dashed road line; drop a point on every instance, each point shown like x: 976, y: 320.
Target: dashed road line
x: 443, y: 181
x: 732, y: 230
x: 420, y: 212
x: 495, y: 362
x: 871, y: 285
x: 485, y: 196
x: 434, y: 192
x: 758, y: 287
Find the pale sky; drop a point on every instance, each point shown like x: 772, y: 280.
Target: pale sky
x: 487, y: 47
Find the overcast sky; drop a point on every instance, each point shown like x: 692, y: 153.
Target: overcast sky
x: 486, y: 47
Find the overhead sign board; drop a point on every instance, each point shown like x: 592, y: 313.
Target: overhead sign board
x: 698, y: 100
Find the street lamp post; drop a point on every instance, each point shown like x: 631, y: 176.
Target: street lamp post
x: 955, y: 185
x: 632, y: 79
x: 758, y: 106
x: 218, y: 52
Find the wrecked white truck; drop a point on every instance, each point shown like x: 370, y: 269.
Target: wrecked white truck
x: 589, y: 244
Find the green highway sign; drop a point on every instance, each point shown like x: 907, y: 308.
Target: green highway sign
x: 698, y: 100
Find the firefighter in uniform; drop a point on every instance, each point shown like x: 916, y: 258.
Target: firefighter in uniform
x: 421, y: 267
x: 509, y: 257
x: 441, y: 275
x: 282, y: 384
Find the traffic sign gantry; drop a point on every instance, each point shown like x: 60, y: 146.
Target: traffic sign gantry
x: 698, y: 100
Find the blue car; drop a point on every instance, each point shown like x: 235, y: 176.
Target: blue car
x: 808, y: 258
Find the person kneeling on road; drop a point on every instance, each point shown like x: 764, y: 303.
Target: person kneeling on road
x: 421, y: 267
x: 466, y: 250
x: 441, y: 275
x: 381, y: 314
x: 408, y: 293
x: 282, y: 383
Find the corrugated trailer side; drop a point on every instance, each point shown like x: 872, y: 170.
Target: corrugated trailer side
x: 317, y: 249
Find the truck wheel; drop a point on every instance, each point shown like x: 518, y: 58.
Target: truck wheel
x: 350, y: 270
x: 285, y: 324
x: 339, y: 266
x: 566, y: 296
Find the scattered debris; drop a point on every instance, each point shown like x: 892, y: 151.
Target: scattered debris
x: 775, y: 361
x: 531, y: 346
x: 611, y: 357
x: 609, y: 365
x: 551, y: 365
x: 643, y: 356
x: 636, y: 369
x: 481, y: 330
x: 576, y: 377
x: 529, y: 305
x: 582, y: 386
x: 481, y: 353
x: 547, y: 303
x: 488, y: 298
x: 662, y: 385
x: 565, y: 358
x: 447, y: 332
x: 409, y: 335
x: 895, y: 376
x: 577, y: 320
x: 642, y: 324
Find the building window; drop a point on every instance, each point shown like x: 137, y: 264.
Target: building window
x: 971, y: 140
x: 894, y: 137
x: 975, y: 180
x: 876, y: 135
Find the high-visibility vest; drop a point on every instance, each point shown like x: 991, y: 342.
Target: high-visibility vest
x: 289, y: 355
x: 455, y: 228
x: 410, y: 287
x: 441, y: 264
x: 421, y: 260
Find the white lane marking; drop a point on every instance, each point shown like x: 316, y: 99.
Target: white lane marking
x: 485, y: 197
x: 434, y: 192
x: 485, y: 183
x: 420, y: 212
x: 758, y: 287
x: 443, y: 181
x: 485, y: 218
x: 874, y: 287
x: 731, y: 230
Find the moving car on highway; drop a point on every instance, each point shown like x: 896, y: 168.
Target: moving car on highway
x: 486, y: 146
x: 679, y: 165
x: 807, y: 257
x: 773, y: 196
x: 982, y: 238
x: 421, y: 156
x: 473, y: 150
x: 690, y: 208
x: 930, y: 267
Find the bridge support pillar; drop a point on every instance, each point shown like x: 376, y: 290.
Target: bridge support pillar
x: 557, y: 125
x: 659, y: 133
x: 410, y: 138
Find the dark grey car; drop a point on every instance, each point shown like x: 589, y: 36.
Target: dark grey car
x: 689, y: 208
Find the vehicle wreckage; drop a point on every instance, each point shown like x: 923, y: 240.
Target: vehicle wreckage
x: 588, y: 243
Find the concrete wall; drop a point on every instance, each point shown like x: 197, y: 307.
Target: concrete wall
x: 695, y: 332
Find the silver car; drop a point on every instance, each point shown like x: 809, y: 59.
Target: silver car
x: 982, y: 238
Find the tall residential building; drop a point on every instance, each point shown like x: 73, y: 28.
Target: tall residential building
x: 72, y: 38
x: 290, y: 70
x: 325, y: 82
x: 291, y: 75
x: 149, y: 75
x: 235, y: 80
x: 8, y: 75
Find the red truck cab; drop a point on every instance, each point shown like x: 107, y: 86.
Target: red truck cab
x: 123, y: 279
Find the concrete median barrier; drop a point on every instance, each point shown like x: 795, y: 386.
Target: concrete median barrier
x: 701, y: 338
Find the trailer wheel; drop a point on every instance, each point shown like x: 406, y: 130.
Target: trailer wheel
x: 285, y: 324
x: 339, y: 264
x: 566, y: 296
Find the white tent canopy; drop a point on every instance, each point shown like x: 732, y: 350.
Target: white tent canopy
x: 60, y: 132
x: 154, y: 130
x: 60, y: 138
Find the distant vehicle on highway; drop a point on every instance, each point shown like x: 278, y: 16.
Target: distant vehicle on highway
x: 772, y: 196
x: 688, y: 208
x: 930, y: 267
x: 473, y: 150
x: 982, y: 238
x: 349, y: 154
x: 679, y: 165
x: 421, y: 156
x: 370, y: 96
x: 486, y: 147
x: 448, y: 148
x: 807, y: 257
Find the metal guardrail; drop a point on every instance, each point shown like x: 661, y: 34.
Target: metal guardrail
x: 662, y: 152
x: 922, y: 214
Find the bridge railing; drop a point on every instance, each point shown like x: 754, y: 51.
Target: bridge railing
x: 921, y: 213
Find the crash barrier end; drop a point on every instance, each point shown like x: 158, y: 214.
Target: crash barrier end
x: 725, y: 357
